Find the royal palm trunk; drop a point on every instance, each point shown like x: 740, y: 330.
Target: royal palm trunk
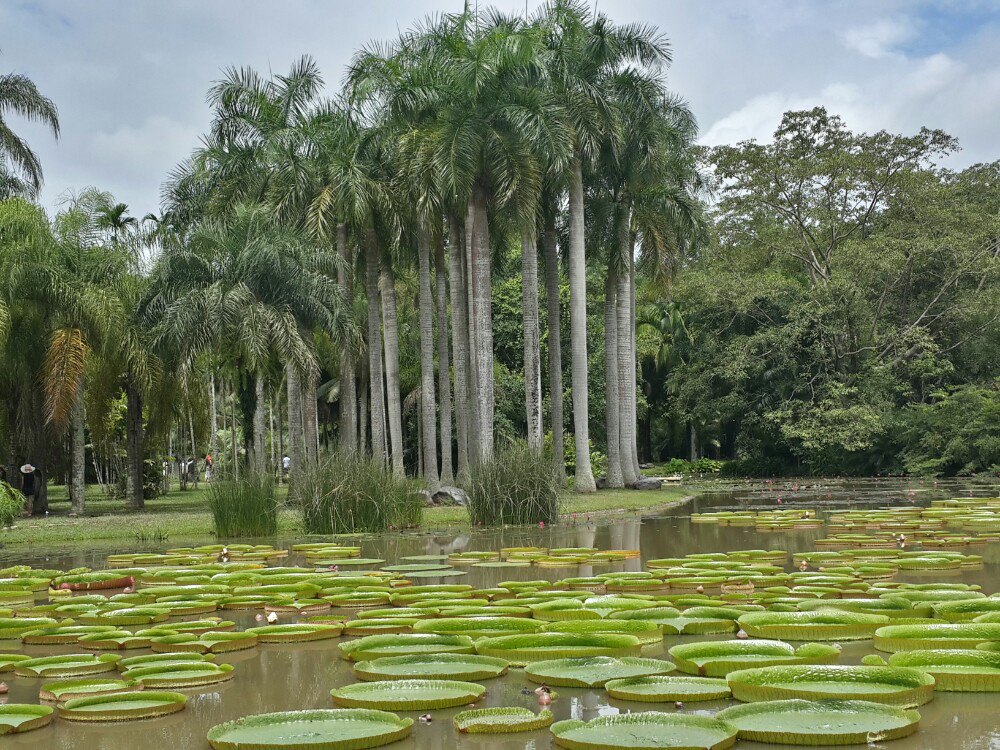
x: 78, y: 420
x: 584, y: 479
x: 444, y: 364
x: 460, y: 343
x: 375, y: 377
x: 553, y: 312
x: 612, y: 411
x: 480, y: 269
x: 532, y: 338
x: 390, y: 325
x: 428, y: 407
x: 348, y: 394
x: 135, y: 446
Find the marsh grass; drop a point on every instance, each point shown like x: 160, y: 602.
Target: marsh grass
x: 246, y: 508
x: 347, y: 493
x: 517, y: 486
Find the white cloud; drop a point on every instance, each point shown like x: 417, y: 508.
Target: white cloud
x: 878, y: 39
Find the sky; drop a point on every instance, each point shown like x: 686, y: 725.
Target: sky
x: 130, y: 77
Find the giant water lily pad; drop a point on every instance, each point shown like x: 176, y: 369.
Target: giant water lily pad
x: 408, y: 695
x: 431, y: 667
x: 477, y: 627
x: 17, y: 717
x: 144, y: 704
x: 894, y: 686
x: 812, y: 626
x: 67, y: 665
x: 718, y: 658
x: 648, y: 633
x: 63, y: 634
x: 9, y: 661
x: 211, y: 642
x: 179, y: 674
x: 951, y: 636
x: 955, y: 670
x: 663, y: 688
x: 63, y: 690
x: 148, y: 660
x: 375, y: 646
x: 522, y: 649
x: 650, y: 730
x: 833, y: 722
x: 295, y: 633
x: 324, y: 729
x: 593, y: 671
x: 501, y: 720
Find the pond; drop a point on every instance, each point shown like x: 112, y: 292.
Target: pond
x: 292, y: 677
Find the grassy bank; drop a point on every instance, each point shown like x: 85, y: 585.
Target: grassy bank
x: 184, y: 516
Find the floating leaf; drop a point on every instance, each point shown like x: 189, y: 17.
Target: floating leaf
x: 324, y: 729
x: 501, y: 720
x: 408, y: 695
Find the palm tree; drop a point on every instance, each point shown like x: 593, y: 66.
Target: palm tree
x: 20, y: 169
x: 587, y: 51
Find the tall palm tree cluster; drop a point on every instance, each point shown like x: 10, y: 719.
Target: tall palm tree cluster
x: 276, y: 282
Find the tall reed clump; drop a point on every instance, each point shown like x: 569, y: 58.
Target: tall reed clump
x: 248, y: 507
x: 346, y: 493
x: 517, y: 486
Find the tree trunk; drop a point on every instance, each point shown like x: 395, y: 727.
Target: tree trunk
x: 532, y: 338
x: 362, y: 390
x: 460, y: 344
x: 310, y: 428
x: 472, y: 378
x: 259, y: 425
x: 428, y: 407
x: 693, y: 443
x: 212, y: 415
x: 375, y: 379
x: 584, y: 480
x: 549, y: 240
x: 135, y: 449
x: 294, y: 387
x: 348, y: 394
x: 481, y: 262
x: 78, y: 421
x: 390, y: 324
x: 632, y: 390
x: 270, y: 425
x: 612, y: 411
x: 626, y: 369
x: 444, y: 365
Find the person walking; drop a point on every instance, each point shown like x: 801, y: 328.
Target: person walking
x: 28, y: 487
x: 286, y: 466
x: 208, y: 467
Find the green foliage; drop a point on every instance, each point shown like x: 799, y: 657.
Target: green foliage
x: 958, y: 433
x: 247, y: 508
x: 699, y: 466
x: 152, y: 481
x: 598, y: 460
x: 11, y: 505
x: 517, y: 486
x: 346, y: 493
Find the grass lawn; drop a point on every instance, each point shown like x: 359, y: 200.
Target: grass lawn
x: 184, y: 515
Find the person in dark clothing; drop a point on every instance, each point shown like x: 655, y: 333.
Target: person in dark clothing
x: 28, y: 486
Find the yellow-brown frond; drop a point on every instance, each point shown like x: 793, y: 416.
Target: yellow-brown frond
x: 65, y: 361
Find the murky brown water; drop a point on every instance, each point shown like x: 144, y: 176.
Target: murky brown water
x: 279, y: 678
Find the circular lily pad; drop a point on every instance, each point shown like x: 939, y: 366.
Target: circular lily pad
x: 944, y: 636
x: 179, y: 674
x: 894, y: 686
x: 64, y: 634
x: 523, y: 649
x: 18, y: 717
x: 650, y: 730
x: 801, y: 722
x: 477, y: 627
x: 122, y: 706
x: 148, y: 660
x: 501, y: 720
x: 324, y: 729
x: 718, y: 658
x: 9, y: 661
x: 67, y: 665
x: 64, y: 690
x: 663, y: 688
x: 431, y: 667
x: 955, y: 670
x: 812, y: 626
x: 206, y: 643
x: 408, y: 695
x: 295, y: 633
x: 375, y: 646
x: 593, y: 671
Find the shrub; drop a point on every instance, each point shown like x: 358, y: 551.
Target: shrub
x: 346, y: 493
x: 517, y: 486
x: 152, y: 481
x: 11, y: 505
x: 248, y: 507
